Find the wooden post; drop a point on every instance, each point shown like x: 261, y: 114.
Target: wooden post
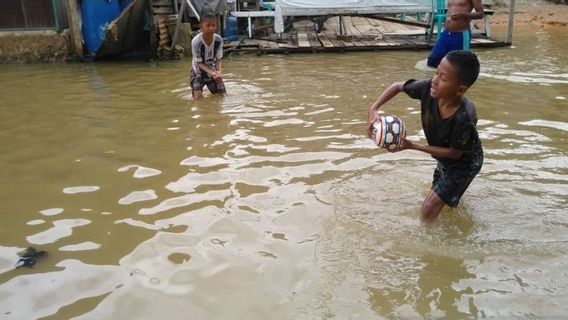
x: 153, y: 31
x: 76, y: 35
x: 179, y: 18
x: 511, y: 22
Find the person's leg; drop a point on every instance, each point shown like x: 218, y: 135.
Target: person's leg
x: 196, y: 83
x: 220, y: 87
x: 431, y: 207
x: 439, y: 50
x: 215, y: 86
x: 197, y: 94
x: 448, y: 41
x: 449, y: 185
x: 458, y: 41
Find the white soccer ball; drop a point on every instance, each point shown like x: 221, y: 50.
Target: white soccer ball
x: 388, y: 132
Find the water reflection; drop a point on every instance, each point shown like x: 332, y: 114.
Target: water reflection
x: 271, y: 203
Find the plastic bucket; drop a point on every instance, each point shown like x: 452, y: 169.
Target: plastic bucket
x: 231, y: 31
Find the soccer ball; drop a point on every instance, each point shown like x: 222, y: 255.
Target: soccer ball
x: 388, y: 132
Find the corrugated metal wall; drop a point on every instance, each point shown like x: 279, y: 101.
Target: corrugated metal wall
x: 33, y: 14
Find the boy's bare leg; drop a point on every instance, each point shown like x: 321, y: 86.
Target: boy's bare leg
x: 431, y: 207
x: 197, y: 94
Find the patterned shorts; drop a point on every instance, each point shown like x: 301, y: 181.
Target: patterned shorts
x: 198, y: 81
x: 450, y: 183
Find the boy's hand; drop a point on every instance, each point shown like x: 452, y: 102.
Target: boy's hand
x: 403, y: 146
x: 216, y: 75
x: 459, y: 16
x: 373, y: 117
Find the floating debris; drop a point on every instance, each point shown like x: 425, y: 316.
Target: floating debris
x: 28, y: 257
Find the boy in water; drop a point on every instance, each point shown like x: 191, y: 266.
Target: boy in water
x: 449, y: 121
x: 207, y: 51
x: 456, y: 34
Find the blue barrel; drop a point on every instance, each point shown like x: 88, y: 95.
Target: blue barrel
x: 96, y: 15
x: 231, y: 31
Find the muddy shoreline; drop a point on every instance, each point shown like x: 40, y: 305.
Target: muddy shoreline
x: 539, y: 14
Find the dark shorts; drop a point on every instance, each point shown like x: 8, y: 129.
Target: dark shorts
x: 450, y: 182
x: 448, y: 41
x: 198, y: 81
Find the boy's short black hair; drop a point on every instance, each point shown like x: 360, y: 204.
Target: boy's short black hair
x: 207, y: 13
x: 466, y: 64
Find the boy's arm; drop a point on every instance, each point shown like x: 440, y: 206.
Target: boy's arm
x: 218, y: 64
x: 434, y: 151
x: 203, y: 67
x: 385, y: 97
x: 477, y: 14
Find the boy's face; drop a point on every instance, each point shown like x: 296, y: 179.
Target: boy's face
x: 208, y: 26
x: 445, y: 83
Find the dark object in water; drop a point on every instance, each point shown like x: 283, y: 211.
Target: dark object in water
x: 29, y: 257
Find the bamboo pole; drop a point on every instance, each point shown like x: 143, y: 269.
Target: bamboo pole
x: 179, y: 18
x: 511, y: 22
x: 76, y: 34
x: 178, y: 22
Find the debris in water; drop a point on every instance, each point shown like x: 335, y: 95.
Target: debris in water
x: 28, y: 257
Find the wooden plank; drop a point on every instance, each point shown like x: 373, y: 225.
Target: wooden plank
x: 333, y: 39
x: 75, y: 26
x: 481, y: 40
x: 362, y: 25
x: 325, y: 41
x: 303, y: 40
x: 162, y: 10
x: 314, y: 41
x: 349, y: 28
x: 382, y: 43
x: 369, y: 43
x: 331, y: 26
x: 358, y: 43
x: 348, y: 42
x: 161, y: 3
x: 268, y: 44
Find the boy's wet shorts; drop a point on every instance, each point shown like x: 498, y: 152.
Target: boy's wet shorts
x: 197, y: 82
x: 450, y: 182
x: 448, y: 41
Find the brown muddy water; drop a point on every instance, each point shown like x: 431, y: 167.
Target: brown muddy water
x: 271, y: 203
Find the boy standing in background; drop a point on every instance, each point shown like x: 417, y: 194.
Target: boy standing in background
x: 207, y: 52
x: 456, y: 34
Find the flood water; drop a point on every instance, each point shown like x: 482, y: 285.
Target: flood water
x: 271, y: 203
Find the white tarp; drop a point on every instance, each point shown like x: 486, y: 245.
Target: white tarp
x: 350, y: 3
x: 285, y: 8
x: 326, y: 7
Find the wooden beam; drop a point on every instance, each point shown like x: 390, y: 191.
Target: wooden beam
x: 511, y: 22
x: 303, y: 41
x: 178, y: 23
x: 76, y: 35
x: 324, y: 40
x: 153, y: 38
x: 394, y: 20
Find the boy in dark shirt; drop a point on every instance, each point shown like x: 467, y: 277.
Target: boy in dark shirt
x: 449, y: 121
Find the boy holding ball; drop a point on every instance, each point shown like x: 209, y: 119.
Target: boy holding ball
x: 449, y: 121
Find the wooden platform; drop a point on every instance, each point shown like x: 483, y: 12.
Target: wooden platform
x: 348, y: 34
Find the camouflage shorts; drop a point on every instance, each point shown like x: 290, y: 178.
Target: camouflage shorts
x: 450, y: 183
x: 197, y: 82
